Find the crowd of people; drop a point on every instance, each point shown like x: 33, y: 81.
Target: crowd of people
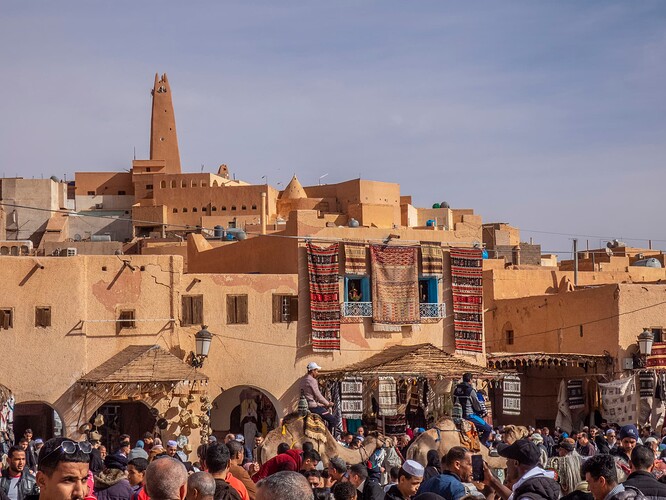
x: 608, y: 462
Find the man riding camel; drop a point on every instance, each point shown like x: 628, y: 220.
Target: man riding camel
x: 465, y: 395
x: 317, y: 403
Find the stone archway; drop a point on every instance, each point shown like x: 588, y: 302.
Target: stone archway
x: 124, y: 417
x: 39, y: 416
x: 235, y: 409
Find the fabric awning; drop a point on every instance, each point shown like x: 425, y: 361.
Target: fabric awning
x: 512, y: 360
x: 421, y: 360
x: 142, y: 363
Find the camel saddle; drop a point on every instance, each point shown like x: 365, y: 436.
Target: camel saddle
x: 315, y: 427
x: 467, y: 433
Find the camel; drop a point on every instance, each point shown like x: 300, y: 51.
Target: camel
x: 294, y: 436
x: 513, y: 433
x: 448, y: 438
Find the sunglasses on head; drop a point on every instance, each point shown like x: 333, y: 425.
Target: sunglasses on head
x: 69, y: 447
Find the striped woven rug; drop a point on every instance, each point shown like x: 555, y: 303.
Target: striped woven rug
x: 467, y: 278
x: 324, y: 297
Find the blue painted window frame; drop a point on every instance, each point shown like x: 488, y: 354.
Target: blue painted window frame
x: 365, y: 287
x: 433, y: 289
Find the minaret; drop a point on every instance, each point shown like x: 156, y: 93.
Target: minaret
x: 163, y: 138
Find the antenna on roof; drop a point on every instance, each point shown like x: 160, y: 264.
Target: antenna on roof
x: 202, y: 168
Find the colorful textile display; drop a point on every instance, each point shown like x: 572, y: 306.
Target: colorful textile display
x: 432, y: 258
x: 575, y: 396
x: 395, y: 297
x: 324, y: 297
x: 467, y: 279
x: 355, y: 258
x: 395, y: 425
x: 334, y: 388
x: 388, y: 401
x: 351, y: 395
x: 619, y: 403
x: 646, y: 383
x: 511, y: 395
x: 657, y: 359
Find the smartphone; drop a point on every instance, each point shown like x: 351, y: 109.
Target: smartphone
x: 477, y: 468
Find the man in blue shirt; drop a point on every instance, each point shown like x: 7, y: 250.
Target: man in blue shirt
x: 449, y: 484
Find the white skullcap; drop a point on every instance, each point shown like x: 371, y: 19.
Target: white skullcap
x: 413, y: 468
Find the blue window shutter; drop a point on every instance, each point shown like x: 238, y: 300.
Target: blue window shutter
x: 346, y: 289
x: 365, y: 289
x: 432, y: 290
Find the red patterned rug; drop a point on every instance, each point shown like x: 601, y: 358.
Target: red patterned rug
x: 467, y: 278
x: 324, y: 297
x: 395, y: 297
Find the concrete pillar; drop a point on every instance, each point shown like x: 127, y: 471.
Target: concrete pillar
x: 263, y: 213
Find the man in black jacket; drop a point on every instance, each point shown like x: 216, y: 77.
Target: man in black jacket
x: 530, y: 482
x: 16, y: 481
x: 641, y: 478
x: 367, y: 489
x: 465, y: 395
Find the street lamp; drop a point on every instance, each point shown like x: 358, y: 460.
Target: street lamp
x: 202, y: 340
x: 645, y: 341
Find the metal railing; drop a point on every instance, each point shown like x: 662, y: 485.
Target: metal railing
x: 432, y: 310
x: 356, y: 309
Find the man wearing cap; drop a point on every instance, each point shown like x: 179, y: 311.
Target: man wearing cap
x: 172, y: 448
x: 641, y: 477
x: 567, y: 465
x: 529, y: 480
x: 628, y: 439
x: 611, y: 439
x: 409, y: 480
x: 465, y: 395
x: 317, y: 403
x: 458, y: 470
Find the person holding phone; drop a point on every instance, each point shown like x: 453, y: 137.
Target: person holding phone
x: 458, y: 470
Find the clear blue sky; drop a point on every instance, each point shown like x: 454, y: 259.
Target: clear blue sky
x: 547, y: 115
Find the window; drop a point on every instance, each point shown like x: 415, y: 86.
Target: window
x: 658, y: 333
x: 428, y: 290
x: 183, y: 184
x: 184, y: 210
x: 91, y: 193
x: 204, y: 184
x: 236, y: 309
x: 175, y: 210
x: 509, y: 337
x: 357, y: 289
x: 213, y: 208
x: 233, y: 208
x: 121, y: 193
x: 163, y: 184
x: 192, y: 310
x: 149, y: 186
x: 126, y: 319
x: 42, y: 317
x: 244, y: 207
x: 194, y: 209
x: 254, y: 207
x: 224, y: 209
x: 6, y: 318
x: 203, y: 209
x: 285, y: 308
x: 173, y: 184
x: 193, y: 183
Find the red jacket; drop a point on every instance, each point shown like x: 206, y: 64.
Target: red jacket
x: 290, y: 460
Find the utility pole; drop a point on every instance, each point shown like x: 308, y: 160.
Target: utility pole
x: 575, y: 252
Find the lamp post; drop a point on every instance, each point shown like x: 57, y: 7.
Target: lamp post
x: 202, y: 340
x: 645, y: 341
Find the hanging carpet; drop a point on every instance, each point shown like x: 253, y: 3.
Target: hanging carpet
x: 388, y: 401
x: 575, y: 396
x: 432, y: 258
x: 511, y: 395
x: 355, y: 258
x: 395, y: 297
x: 467, y: 286
x: 646, y: 382
x: 619, y: 401
x: 657, y: 359
x: 324, y: 297
x: 351, y: 395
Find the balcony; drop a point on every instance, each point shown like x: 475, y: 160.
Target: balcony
x: 356, y: 309
x: 432, y: 310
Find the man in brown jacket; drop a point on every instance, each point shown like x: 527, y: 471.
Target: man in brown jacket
x: 237, y: 470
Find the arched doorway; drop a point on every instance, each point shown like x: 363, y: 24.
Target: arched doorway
x: 244, y: 410
x: 123, y: 417
x: 40, y: 417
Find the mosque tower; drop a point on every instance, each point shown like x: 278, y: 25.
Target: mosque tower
x: 163, y: 138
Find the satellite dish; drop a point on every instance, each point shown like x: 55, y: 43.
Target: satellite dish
x: 77, y: 237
